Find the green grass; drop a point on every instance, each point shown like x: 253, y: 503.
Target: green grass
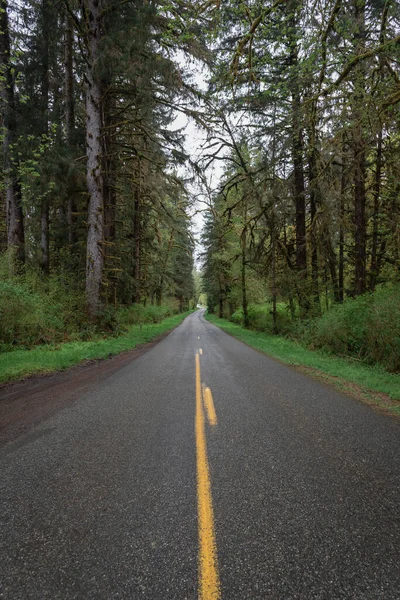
x: 47, y: 359
x: 369, y: 379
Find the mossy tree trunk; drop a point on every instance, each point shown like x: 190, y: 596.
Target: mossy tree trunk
x: 14, y: 214
x: 93, y: 10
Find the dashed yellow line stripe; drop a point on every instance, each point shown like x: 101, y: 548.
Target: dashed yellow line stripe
x: 209, y: 584
x: 209, y: 404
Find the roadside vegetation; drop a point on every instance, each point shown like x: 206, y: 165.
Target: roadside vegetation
x: 342, y: 371
x: 356, y: 342
x: 44, y: 325
x: 301, y: 239
x: 366, y: 328
x: 38, y: 311
x: 56, y: 357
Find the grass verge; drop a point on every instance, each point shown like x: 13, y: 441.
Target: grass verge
x: 47, y: 359
x: 372, y: 385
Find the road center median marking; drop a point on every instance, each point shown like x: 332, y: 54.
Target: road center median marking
x: 209, y: 404
x: 209, y: 585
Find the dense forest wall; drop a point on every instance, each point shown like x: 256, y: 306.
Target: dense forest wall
x: 91, y: 192
x: 305, y: 121
x: 298, y: 104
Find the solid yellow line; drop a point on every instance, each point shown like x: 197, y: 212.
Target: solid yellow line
x: 210, y: 408
x: 209, y: 586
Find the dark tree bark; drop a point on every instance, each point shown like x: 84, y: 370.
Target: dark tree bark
x: 332, y: 264
x: 70, y: 118
x: 109, y: 169
x: 359, y: 155
x: 359, y: 216
x: 243, y: 241
x: 45, y: 87
x: 137, y: 244
x: 341, y: 226
x: 299, y: 190
x: 314, y: 199
x: 244, y: 286
x: 92, y: 14
x: 273, y: 273
x: 160, y: 289
x: 220, y: 300
x: 14, y: 214
x: 298, y: 161
x: 111, y: 261
x: 374, y: 273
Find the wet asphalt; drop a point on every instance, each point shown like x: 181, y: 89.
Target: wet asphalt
x: 99, y: 501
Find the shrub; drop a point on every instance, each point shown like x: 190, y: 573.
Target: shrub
x: 260, y: 318
x: 26, y: 318
x: 36, y: 310
x: 237, y: 317
x: 137, y: 314
x: 367, y: 327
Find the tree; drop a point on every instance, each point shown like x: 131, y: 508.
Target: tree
x: 14, y: 214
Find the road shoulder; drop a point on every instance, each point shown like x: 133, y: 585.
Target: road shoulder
x: 30, y: 401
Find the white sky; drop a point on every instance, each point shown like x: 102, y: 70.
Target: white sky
x: 194, y: 141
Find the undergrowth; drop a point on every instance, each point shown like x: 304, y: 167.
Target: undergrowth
x: 49, y: 358
x: 364, y: 329
x: 292, y: 352
x: 36, y: 312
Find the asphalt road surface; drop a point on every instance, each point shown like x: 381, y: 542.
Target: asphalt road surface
x: 140, y: 490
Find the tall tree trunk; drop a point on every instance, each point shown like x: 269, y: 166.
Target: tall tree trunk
x: 331, y: 256
x: 298, y: 161
x: 160, y: 289
x: 45, y: 86
x: 274, y: 290
x: 109, y: 193
x: 274, y: 233
x: 70, y: 117
x: 243, y: 282
x: 359, y: 217
x: 137, y: 242
x: 243, y: 268
x: 220, y: 298
x: 314, y: 198
x: 299, y: 191
x: 110, y: 198
x: 44, y: 237
x: 359, y: 153
x: 3, y: 224
x: 341, y: 224
x: 375, y: 226
x: 94, y: 175
x: 14, y: 214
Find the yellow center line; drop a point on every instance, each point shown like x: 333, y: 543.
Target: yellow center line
x: 209, y: 404
x: 209, y: 585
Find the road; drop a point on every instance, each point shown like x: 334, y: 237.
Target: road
x: 138, y: 490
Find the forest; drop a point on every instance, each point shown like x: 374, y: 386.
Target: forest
x: 292, y: 159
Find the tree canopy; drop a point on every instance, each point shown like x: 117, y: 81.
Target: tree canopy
x: 297, y: 107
